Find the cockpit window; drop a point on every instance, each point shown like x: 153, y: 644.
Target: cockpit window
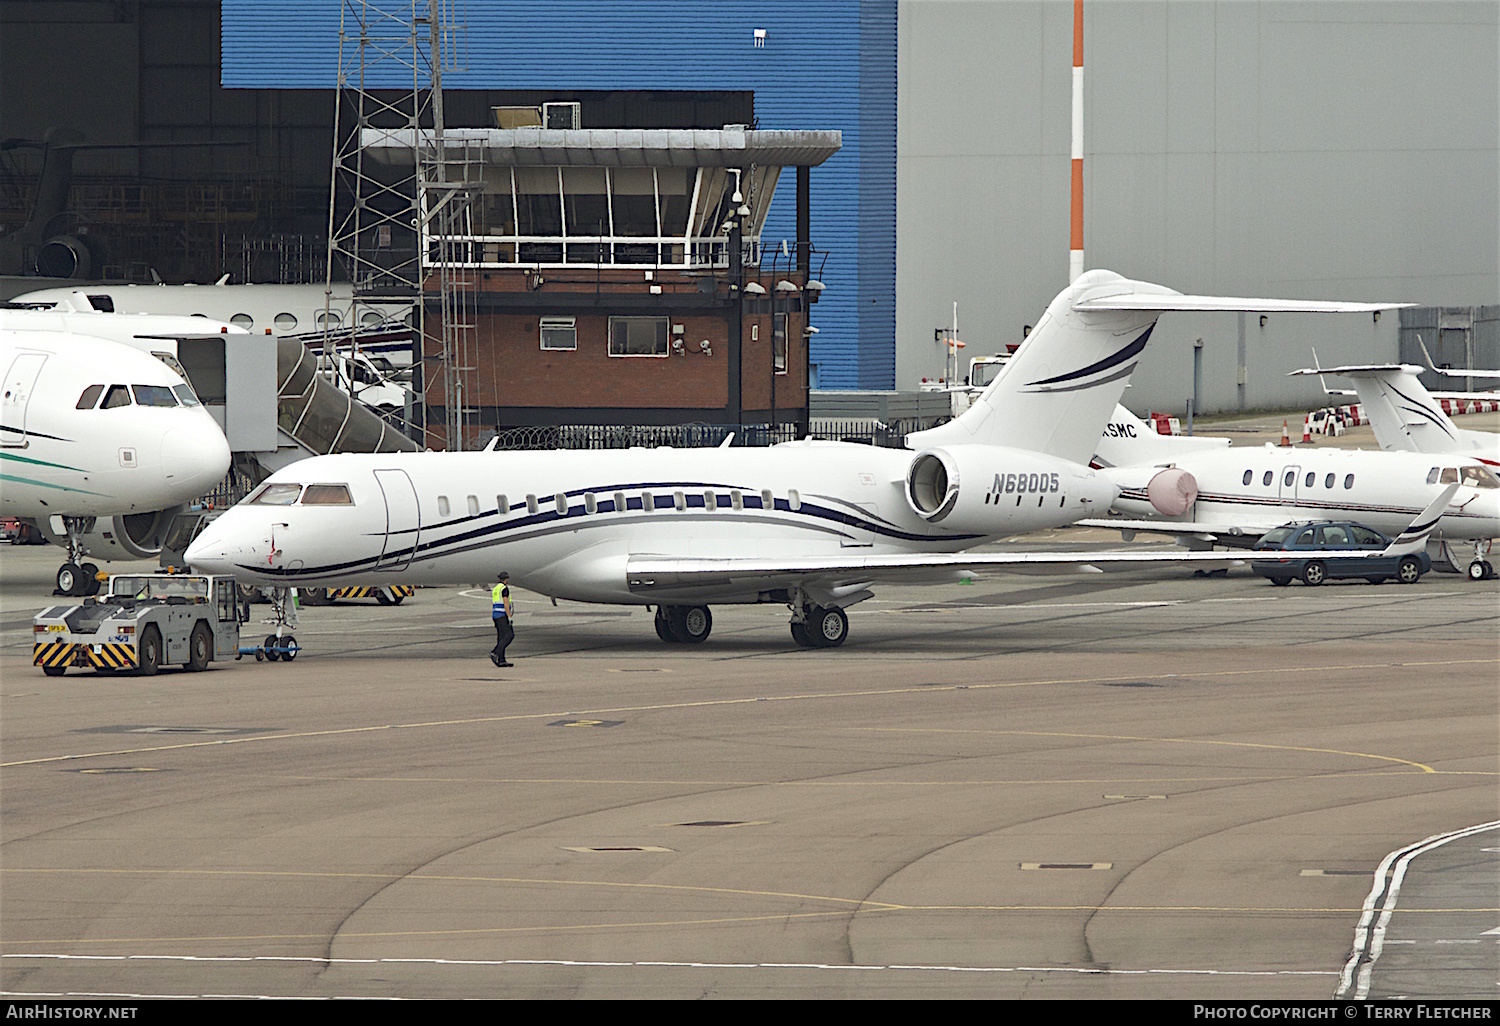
x: 154, y: 395
x: 1475, y: 476
x: 118, y: 395
x: 184, y: 393
x: 1448, y: 476
x: 90, y: 397
x: 277, y: 494
x: 327, y: 495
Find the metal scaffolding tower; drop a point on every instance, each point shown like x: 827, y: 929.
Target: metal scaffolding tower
x: 383, y: 216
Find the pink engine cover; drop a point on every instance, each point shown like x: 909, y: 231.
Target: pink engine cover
x: 1172, y: 492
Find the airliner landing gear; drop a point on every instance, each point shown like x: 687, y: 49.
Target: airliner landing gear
x: 821, y: 627
x: 1481, y: 570
x: 76, y: 577
x: 683, y: 624
x: 281, y: 644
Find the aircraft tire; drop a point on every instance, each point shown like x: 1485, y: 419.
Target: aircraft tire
x: 1314, y: 574
x: 829, y: 627
x: 272, y: 647
x: 200, y: 648
x: 1409, y: 571
x: 1489, y: 569
x: 69, y: 577
x: 1477, y: 570
x: 90, y: 578
x: 663, y: 628
x: 690, y: 624
x: 800, y: 635
x: 150, y: 651
x: 289, y: 648
x: 314, y: 597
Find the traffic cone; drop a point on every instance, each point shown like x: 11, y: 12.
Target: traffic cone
x: 1286, y: 438
x: 1307, y: 430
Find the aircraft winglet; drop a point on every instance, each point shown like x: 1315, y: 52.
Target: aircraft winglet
x: 1414, y: 538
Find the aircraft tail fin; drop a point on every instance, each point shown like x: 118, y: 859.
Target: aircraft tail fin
x: 1403, y: 413
x: 1414, y: 538
x: 1057, y: 393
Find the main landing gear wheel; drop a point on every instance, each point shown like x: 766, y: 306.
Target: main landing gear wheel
x: 690, y: 624
x: 1313, y: 574
x: 800, y: 635
x: 663, y: 628
x: 90, y: 578
x: 1481, y: 570
x: 829, y: 627
x: 69, y: 577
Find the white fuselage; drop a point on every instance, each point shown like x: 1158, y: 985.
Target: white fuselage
x: 573, y: 519
x: 57, y: 459
x: 1262, y: 487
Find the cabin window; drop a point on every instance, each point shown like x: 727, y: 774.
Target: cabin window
x: 1311, y: 479
x: 560, y: 503
x: 1266, y: 478
x: 90, y: 397
x: 648, y: 501
x: 532, y: 506
x: 285, y: 321
x: 619, y: 502
x: 559, y: 333
x: 1327, y: 481
x: 710, y: 500
x: 767, y: 500
x: 442, y: 505
x: 1291, y: 475
x: 329, y: 319
x: 793, y: 499
x: 327, y: 495
x: 473, y: 505
x: 1448, y: 476
x: 184, y: 394
x: 1348, y: 480
x: 242, y: 320
x: 737, y: 500
x: 638, y: 336
x: 502, y: 504
x: 278, y: 494
x: 1249, y: 474
x: 679, y: 501
x: 590, y: 504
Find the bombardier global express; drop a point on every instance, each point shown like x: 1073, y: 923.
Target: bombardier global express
x: 810, y: 524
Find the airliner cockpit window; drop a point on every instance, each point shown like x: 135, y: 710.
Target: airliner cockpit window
x: 118, y: 395
x: 1448, y: 476
x: 184, y: 393
x: 1478, y: 477
x: 277, y: 494
x: 154, y: 395
x: 327, y: 495
x: 90, y: 397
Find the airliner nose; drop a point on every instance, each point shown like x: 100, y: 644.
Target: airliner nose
x: 195, y: 457
x: 210, y: 552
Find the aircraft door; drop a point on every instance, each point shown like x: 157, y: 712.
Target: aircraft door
x: 403, y: 519
x: 1288, y: 483
x: 20, y: 381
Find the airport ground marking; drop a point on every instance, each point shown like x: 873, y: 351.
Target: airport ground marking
x: 724, y: 702
x: 1164, y: 740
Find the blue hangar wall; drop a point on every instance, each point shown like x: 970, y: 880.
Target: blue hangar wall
x: 826, y: 64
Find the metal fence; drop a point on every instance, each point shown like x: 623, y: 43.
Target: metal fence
x: 690, y: 436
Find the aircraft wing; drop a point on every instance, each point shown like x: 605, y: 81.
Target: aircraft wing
x: 1239, y: 536
x: 667, y: 573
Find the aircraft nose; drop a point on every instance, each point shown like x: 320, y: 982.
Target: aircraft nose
x: 196, y: 455
x: 211, y: 552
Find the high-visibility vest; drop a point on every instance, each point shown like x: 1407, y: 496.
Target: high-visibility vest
x: 498, y: 595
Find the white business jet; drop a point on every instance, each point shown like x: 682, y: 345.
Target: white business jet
x: 811, y: 524
x: 99, y: 443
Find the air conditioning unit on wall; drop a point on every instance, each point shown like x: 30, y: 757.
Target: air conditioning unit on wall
x: 562, y: 115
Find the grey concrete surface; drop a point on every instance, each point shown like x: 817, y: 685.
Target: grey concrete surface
x: 1025, y: 787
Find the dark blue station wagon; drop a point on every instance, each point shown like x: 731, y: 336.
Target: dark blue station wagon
x: 1316, y: 552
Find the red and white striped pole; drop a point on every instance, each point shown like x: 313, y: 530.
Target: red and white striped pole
x: 1075, y: 253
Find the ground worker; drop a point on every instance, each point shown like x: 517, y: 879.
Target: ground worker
x: 502, y: 613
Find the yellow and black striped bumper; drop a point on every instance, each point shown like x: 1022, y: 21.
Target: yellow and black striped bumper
x: 68, y: 653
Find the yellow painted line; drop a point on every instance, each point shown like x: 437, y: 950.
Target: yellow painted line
x: 1163, y: 740
x: 728, y: 702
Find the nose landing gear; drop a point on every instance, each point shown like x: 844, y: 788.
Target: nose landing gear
x: 76, y: 577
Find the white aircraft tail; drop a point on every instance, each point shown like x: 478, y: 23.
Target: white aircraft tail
x: 1129, y: 441
x: 1056, y: 394
x: 1414, y: 538
x: 1402, y: 412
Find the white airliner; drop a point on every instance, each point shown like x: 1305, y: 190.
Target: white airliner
x: 99, y: 442
x: 810, y: 524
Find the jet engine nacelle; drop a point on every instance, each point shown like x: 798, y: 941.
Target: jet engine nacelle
x: 987, y: 489
x: 128, y: 536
